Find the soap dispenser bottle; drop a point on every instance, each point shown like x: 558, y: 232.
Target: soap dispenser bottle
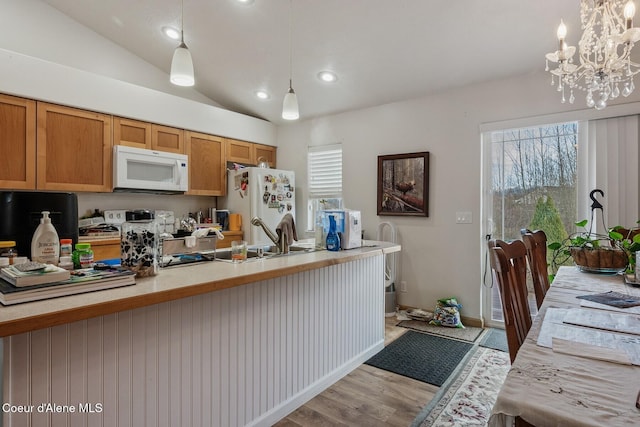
x: 45, y: 244
x: 333, y: 240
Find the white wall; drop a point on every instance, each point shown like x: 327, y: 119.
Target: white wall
x: 439, y: 257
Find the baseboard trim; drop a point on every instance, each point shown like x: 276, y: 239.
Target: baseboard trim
x: 288, y: 406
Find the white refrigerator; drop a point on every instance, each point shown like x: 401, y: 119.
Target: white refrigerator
x: 265, y: 193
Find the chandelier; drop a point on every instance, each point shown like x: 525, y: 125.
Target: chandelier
x: 605, y: 69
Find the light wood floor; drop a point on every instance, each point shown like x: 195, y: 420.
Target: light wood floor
x: 366, y: 397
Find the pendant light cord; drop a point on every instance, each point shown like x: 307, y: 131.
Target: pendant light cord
x: 290, y: 42
x: 182, y: 22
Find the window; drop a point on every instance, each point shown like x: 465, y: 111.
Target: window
x: 530, y: 165
x: 324, y: 168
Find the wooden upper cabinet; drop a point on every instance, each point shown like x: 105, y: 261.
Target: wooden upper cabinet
x: 17, y: 143
x: 249, y: 153
x: 131, y: 133
x: 240, y: 152
x: 266, y: 152
x: 164, y: 138
x: 134, y: 133
x: 207, y: 166
x: 73, y: 149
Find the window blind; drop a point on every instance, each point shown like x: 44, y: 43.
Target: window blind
x: 608, y: 160
x: 325, y: 171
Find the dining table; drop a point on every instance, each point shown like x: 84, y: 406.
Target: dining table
x: 580, y: 362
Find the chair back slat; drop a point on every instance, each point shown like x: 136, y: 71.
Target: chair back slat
x: 536, y: 244
x: 509, y: 262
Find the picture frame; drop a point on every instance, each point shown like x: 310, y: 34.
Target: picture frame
x: 403, y: 184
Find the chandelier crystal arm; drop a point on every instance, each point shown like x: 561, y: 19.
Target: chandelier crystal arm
x: 604, y: 53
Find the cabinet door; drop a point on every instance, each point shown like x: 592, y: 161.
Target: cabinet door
x: 131, y: 133
x: 18, y: 143
x: 240, y: 152
x: 266, y: 152
x: 207, y: 166
x: 73, y: 149
x: 105, y: 249
x: 164, y: 138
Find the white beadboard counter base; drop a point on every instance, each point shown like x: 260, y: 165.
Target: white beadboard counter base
x: 171, y: 284
x: 215, y: 344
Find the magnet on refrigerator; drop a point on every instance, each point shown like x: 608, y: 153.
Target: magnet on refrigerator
x: 258, y: 192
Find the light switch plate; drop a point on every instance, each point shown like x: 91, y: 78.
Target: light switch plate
x: 464, y: 217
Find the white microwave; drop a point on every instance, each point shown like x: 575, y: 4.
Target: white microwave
x: 137, y: 169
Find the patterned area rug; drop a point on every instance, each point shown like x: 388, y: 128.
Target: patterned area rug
x: 468, y: 333
x: 468, y: 396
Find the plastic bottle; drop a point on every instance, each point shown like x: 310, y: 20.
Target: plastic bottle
x: 319, y: 231
x: 333, y: 240
x: 45, y: 245
x: 65, y: 262
x: 66, y: 247
x: 83, y: 256
x: 8, y: 250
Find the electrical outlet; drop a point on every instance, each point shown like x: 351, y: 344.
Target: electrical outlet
x: 464, y: 218
x: 403, y: 286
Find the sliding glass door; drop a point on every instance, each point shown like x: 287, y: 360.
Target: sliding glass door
x: 529, y: 181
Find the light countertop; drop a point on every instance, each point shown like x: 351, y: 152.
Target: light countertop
x: 171, y: 284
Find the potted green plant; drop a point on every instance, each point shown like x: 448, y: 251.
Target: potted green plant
x: 613, y: 252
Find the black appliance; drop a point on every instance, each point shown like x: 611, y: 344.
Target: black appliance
x: 20, y: 213
x: 138, y: 215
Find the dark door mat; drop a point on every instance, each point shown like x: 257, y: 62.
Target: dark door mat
x: 427, y: 358
x: 495, y: 339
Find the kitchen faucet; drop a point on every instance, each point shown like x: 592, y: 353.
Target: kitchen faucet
x: 280, y: 241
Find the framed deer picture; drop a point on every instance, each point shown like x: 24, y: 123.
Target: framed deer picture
x: 403, y: 184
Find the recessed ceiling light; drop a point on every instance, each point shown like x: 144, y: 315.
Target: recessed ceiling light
x: 327, y: 76
x: 262, y: 94
x: 246, y: 2
x: 171, y: 32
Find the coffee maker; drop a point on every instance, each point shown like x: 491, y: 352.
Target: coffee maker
x: 20, y: 213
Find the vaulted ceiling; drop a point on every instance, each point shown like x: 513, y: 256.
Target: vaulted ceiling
x: 382, y: 50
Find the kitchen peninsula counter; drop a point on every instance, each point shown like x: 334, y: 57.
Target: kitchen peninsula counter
x: 215, y: 344
x: 173, y: 283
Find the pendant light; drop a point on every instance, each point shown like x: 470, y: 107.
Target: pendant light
x: 182, y: 64
x: 290, y: 104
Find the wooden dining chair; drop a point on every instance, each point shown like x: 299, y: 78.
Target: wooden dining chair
x: 536, y: 244
x: 509, y: 262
